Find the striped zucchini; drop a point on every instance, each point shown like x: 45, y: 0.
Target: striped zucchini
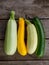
x: 41, y: 37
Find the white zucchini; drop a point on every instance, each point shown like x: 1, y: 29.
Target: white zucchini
x: 32, y: 38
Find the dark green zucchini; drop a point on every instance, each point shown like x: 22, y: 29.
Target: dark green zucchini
x: 41, y: 37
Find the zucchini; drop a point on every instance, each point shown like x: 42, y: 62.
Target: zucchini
x: 32, y: 38
x: 10, y: 43
x: 21, y: 43
x: 41, y: 37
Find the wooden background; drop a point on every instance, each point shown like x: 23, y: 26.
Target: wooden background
x: 25, y: 8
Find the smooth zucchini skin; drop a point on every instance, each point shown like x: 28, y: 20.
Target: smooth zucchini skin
x: 41, y: 36
x: 21, y: 43
x: 32, y: 38
x: 10, y: 43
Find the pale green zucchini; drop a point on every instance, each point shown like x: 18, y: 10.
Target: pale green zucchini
x: 10, y: 44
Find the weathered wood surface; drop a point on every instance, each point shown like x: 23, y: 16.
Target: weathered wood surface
x: 24, y: 8
x: 24, y: 63
x: 30, y: 8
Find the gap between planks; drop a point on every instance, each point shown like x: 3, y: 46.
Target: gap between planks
x: 24, y: 62
x: 44, y: 18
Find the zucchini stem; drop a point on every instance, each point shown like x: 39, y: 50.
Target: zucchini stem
x: 27, y: 21
x: 12, y: 15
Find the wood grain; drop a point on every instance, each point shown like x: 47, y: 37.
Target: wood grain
x: 24, y: 62
x: 31, y: 8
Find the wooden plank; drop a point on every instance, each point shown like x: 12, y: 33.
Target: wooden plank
x: 46, y: 27
x: 24, y: 62
x: 3, y: 24
x: 41, y: 2
x: 30, y: 8
x: 17, y: 56
x: 25, y: 2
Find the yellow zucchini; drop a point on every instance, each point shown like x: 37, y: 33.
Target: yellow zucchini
x: 21, y: 44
